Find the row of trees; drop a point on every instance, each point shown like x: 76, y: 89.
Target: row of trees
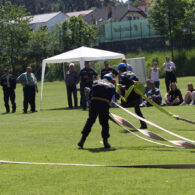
x: 44, y: 6
x: 20, y: 46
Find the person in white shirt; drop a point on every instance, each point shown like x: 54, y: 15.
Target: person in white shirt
x: 170, y: 75
x: 154, y: 74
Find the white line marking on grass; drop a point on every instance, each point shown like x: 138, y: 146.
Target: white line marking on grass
x: 162, y: 166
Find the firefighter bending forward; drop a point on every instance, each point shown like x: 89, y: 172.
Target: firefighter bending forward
x: 101, y: 95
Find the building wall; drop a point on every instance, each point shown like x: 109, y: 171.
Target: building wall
x: 36, y: 26
x: 133, y: 16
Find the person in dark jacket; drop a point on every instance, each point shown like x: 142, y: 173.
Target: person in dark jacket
x: 87, y: 76
x: 8, y: 83
x: 101, y: 95
x: 126, y: 80
x: 71, y: 79
x: 107, y: 69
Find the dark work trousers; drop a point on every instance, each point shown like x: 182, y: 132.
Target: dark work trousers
x: 83, y: 97
x: 135, y: 103
x: 29, y: 98
x: 72, y: 90
x: 101, y: 109
x: 9, y: 94
x: 169, y: 78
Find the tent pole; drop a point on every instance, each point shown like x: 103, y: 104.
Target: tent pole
x: 64, y: 72
x: 42, y: 81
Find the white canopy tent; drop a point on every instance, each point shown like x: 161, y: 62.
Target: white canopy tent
x: 81, y: 55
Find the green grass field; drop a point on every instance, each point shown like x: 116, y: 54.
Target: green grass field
x: 51, y: 135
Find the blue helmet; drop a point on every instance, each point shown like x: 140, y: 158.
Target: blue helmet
x: 122, y: 65
x: 108, y: 76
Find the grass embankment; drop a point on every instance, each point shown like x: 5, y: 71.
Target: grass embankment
x: 183, y: 59
x: 51, y: 135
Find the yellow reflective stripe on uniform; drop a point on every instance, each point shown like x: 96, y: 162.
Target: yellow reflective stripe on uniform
x: 128, y: 73
x: 127, y: 92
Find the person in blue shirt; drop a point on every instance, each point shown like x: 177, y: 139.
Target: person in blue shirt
x: 100, y: 95
x: 153, y: 94
x: 87, y: 76
x: 126, y: 80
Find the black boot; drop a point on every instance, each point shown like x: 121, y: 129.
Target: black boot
x: 81, y: 142
x: 143, y: 125
x: 106, y: 144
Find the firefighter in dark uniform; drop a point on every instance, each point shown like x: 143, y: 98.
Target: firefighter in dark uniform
x: 29, y: 83
x: 101, y: 94
x: 107, y: 70
x: 126, y: 80
x: 8, y: 83
x: 87, y: 75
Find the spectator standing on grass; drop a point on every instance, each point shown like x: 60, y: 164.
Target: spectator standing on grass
x: 107, y: 69
x: 71, y: 79
x: 87, y: 76
x: 170, y: 75
x: 154, y: 74
x: 189, y: 96
x: 29, y: 83
x: 129, y: 67
x: 174, y: 96
x: 8, y: 83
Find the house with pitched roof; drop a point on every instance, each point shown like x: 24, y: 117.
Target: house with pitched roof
x: 116, y: 13
x: 144, y: 5
x: 79, y: 13
x: 48, y: 20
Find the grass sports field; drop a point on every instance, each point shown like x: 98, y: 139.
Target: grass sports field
x: 51, y: 136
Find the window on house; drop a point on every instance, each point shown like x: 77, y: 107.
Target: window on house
x: 129, y: 18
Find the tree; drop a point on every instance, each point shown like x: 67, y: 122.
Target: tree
x: 168, y: 18
x: 14, y: 34
x: 42, y: 43
x: 189, y: 20
x: 76, y: 32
